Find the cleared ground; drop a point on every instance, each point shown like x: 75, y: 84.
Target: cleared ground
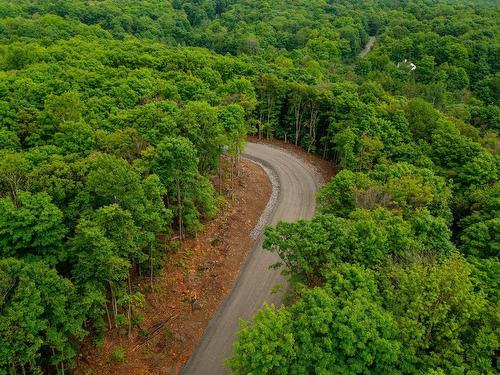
x: 297, y: 184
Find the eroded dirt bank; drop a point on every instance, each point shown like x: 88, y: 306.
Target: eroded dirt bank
x: 192, y: 286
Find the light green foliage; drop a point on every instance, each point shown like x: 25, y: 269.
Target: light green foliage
x: 422, y: 118
x: 239, y: 91
x: 175, y: 159
x: 399, y: 187
x: 439, y: 315
x: 62, y: 108
x: 266, y: 345
x: 486, y: 275
x: 232, y: 118
x: 118, y: 355
x: 75, y: 137
x: 153, y: 121
x: 339, y: 196
x: 408, y: 319
x: 343, y: 336
x: 9, y: 140
x: 324, y: 332
x: 198, y: 122
x: 98, y: 259
x: 176, y: 164
x: 126, y: 143
x: 14, y: 169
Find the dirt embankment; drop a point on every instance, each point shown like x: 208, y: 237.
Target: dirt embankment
x: 193, y: 284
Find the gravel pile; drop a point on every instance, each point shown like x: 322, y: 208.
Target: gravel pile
x: 265, y: 218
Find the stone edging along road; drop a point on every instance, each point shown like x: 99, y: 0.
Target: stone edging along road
x: 295, y: 183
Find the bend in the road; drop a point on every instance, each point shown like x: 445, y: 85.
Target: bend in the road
x: 298, y: 183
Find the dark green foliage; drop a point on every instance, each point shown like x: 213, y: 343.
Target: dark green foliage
x: 479, y: 236
x: 34, y: 227
x: 39, y: 312
x: 370, y: 238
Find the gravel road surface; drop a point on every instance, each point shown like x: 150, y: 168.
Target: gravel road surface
x: 368, y: 46
x: 294, y: 187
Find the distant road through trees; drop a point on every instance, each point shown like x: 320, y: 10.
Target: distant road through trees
x: 368, y: 46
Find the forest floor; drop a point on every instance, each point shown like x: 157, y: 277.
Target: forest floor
x: 190, y: 289
x: 194, y: 282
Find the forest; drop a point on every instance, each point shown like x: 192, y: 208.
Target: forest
x: 114, y: 116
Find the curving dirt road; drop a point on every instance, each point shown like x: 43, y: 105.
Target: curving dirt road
x: 295, y: 183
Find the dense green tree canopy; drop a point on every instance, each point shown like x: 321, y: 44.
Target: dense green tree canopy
x: 114, y: 117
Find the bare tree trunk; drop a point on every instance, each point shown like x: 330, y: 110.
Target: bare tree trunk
x: 179, y: 205
x: 220, y: 175
x: 113, y: 304
x: 297, y: 130
x: 108, y: 315
x: 298, y: 122
x: 260, y: 124
x: 232, y: 174
x: 270, y: 105
x: 312, y: 126
x: 129, y: 312
x: 151, y: 267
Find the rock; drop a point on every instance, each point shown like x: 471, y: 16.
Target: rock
x: 195, y: 305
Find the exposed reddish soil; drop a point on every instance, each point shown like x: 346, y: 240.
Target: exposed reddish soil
x: 193, y: 284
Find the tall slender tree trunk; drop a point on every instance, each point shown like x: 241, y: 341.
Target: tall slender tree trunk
x: 298, y: 122
x: 179, y: 205
x: 270, y: 105
x: 108, y: 315
x: 220, y: 175
x: 113, y: 304
x: 260, y: 123
x: 232, y: 172
x: 312, y: 126
x: 238, y: 166
x: 151, y: 267
x: 129, y: 312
